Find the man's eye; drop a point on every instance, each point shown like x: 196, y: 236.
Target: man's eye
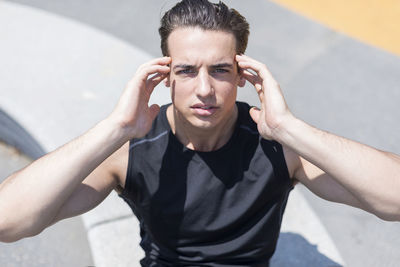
x: 221, y: 71
x: 185, y: 71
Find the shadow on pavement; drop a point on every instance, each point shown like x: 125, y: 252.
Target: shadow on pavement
x: 13, y: 134
x: 295, y: 250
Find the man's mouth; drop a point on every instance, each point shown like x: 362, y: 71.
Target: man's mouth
x: 203, y: 106
x: 203, y: 109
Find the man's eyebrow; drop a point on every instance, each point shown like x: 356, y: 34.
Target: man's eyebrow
x: 183, y: 66
x: 216, y: 66
x: 222, y: 65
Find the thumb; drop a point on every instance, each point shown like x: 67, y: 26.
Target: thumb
x: 154, y: 109
x: 255, y: 114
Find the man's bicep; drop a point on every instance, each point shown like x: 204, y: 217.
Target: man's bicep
x: 91, y: 192
x: 97, y: 186
x: 324, y: 185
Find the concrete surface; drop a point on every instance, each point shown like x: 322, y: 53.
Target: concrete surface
x: 361, y: 238
x: 328, y: 79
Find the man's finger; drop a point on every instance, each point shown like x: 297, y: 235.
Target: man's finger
x: 151, y: 67
x: 255, y: 114
x: 255, y: 66
x: 154, y: 69
x: 155, y: 80
x: 157, y: 61
x: 246, y: 62
x: 145, y: 72
x: 252, y: 78
x: 256, y: 82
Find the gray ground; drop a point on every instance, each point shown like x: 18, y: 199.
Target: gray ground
x: 63, y: 244
x: 358, y: 81
x: 361, y: 238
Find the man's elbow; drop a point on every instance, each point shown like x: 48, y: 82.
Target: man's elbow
x: 389, y: 217
x: 10, y: 233
x: 11, y: 236
x: 6, y: 235
x: 8, y: 239
x: 391, y: 214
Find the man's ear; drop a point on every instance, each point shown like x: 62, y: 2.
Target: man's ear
x: 167, y: 82
x: 242, y: 80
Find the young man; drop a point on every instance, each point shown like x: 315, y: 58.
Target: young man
x: 207, y: 176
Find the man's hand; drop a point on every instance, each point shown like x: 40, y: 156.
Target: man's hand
x: 273, y: 111
x: 132, y: 112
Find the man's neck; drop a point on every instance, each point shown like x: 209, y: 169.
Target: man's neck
x: 199, y: 139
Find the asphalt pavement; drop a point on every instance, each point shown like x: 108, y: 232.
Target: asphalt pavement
x: 330, y: 80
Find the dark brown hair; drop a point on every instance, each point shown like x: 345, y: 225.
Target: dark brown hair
x: 207, y: 16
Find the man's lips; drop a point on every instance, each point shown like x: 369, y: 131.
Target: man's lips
x: 204, y: 109
x: 203, y: 106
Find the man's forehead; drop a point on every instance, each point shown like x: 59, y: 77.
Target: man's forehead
x: 194, y: 46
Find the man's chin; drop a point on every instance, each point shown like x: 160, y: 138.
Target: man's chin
x: 202, y: 124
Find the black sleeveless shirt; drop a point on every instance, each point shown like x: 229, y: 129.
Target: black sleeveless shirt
x: 219, y: 208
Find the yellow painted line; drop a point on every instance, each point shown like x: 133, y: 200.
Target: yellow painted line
x: 376, y: 22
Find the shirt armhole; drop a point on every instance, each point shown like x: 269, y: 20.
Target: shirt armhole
x: 284, y: 167
x: 127, y: 188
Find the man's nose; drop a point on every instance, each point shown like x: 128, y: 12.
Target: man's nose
x: 204, y: 87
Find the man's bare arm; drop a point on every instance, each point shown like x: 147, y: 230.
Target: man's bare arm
x: 33, y: 198
x: 353, y: 173
x: 97, y: 186
x: 372, y: 177
x: 30, y: 198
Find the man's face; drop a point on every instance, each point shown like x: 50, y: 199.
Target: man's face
x: 204, y: 76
